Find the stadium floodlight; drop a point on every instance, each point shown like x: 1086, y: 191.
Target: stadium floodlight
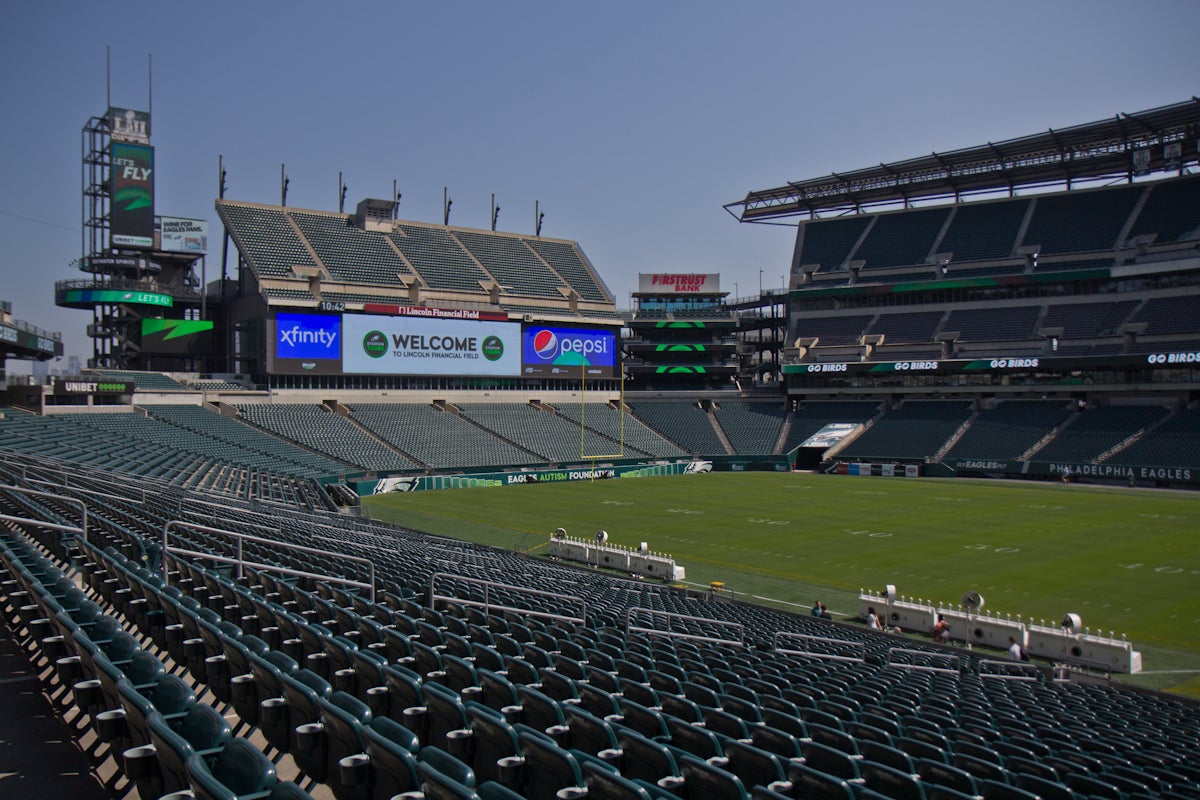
x: 1072, y: 622
x: 601, y: 537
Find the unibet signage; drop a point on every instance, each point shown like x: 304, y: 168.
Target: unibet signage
x: 419, y: 346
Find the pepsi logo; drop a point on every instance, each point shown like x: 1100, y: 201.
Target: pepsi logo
x: 545, y: 344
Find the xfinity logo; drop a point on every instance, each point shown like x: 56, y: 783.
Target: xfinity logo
x: 307, y: 336
x: 296, y: 336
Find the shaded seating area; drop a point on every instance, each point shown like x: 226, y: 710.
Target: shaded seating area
x: 752, y: 428
x: 901, y: 239
x: 813, y: 415
x: 830, y: 242
x: 1174, y: 443
x: 1080, y: 221
x: 993, y: 323
x: 984, y: 231
x: 1097, y: 430
x: 914, y: 430
x: 1009, y: 429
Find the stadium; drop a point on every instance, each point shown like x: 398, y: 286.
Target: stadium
x: 197, y: 567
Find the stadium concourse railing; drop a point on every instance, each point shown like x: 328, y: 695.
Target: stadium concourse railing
x: 1066, y: 644
x: 241, y: 563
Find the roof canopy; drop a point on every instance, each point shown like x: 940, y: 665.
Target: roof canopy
x: 1158, y: 140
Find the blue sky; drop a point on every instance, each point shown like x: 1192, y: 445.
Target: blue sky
x: 632, y: 123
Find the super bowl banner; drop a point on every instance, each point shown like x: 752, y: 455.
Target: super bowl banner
x: 132, y: 217
x: 376, y: 345
x: 568, y: 352
x: 127, y: 125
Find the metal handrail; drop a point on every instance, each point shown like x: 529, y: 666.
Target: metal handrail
x: 740, y: 629
x: 1008, y: 670
x: 487, y: 605
x: 241, y: 562
x: 51, y: 525
x: 950, y: 659
x: 861, y: 647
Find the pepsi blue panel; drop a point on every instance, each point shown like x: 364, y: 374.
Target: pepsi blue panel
x: 568, y: 352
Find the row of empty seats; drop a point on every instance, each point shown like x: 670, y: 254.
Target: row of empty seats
x: 372, y: 697
x: 1156, y: 316
x: 275, y: 240
x: 1081, y: 221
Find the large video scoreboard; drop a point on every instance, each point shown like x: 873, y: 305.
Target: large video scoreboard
x: 304, y: 342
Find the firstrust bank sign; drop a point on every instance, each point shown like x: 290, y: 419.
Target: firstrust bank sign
x: 676, y: 283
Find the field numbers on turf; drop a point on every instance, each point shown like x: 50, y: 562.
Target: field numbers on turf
x: 683, y: 511
x: 617, y: 503
x: 1175, y: 517
x: 756, y: 521
x: 991, y: 548
x: 1167, y: 570
x: 871, y: 534
x: 1039, y: 507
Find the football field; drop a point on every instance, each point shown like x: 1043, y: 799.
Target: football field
x: 1126, y: 561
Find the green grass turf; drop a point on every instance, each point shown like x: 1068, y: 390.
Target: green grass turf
x: 1124, y: 560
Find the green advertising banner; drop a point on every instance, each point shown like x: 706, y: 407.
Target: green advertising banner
x: 86, y: 298
x: 425, y: 483
x: 132, y: 217
x: 177, y: 336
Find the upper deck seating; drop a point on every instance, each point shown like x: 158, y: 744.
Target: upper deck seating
x: 984, y: 231
x: 901, y: 239
x: 830, y: 242
x: 1080, y: 221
